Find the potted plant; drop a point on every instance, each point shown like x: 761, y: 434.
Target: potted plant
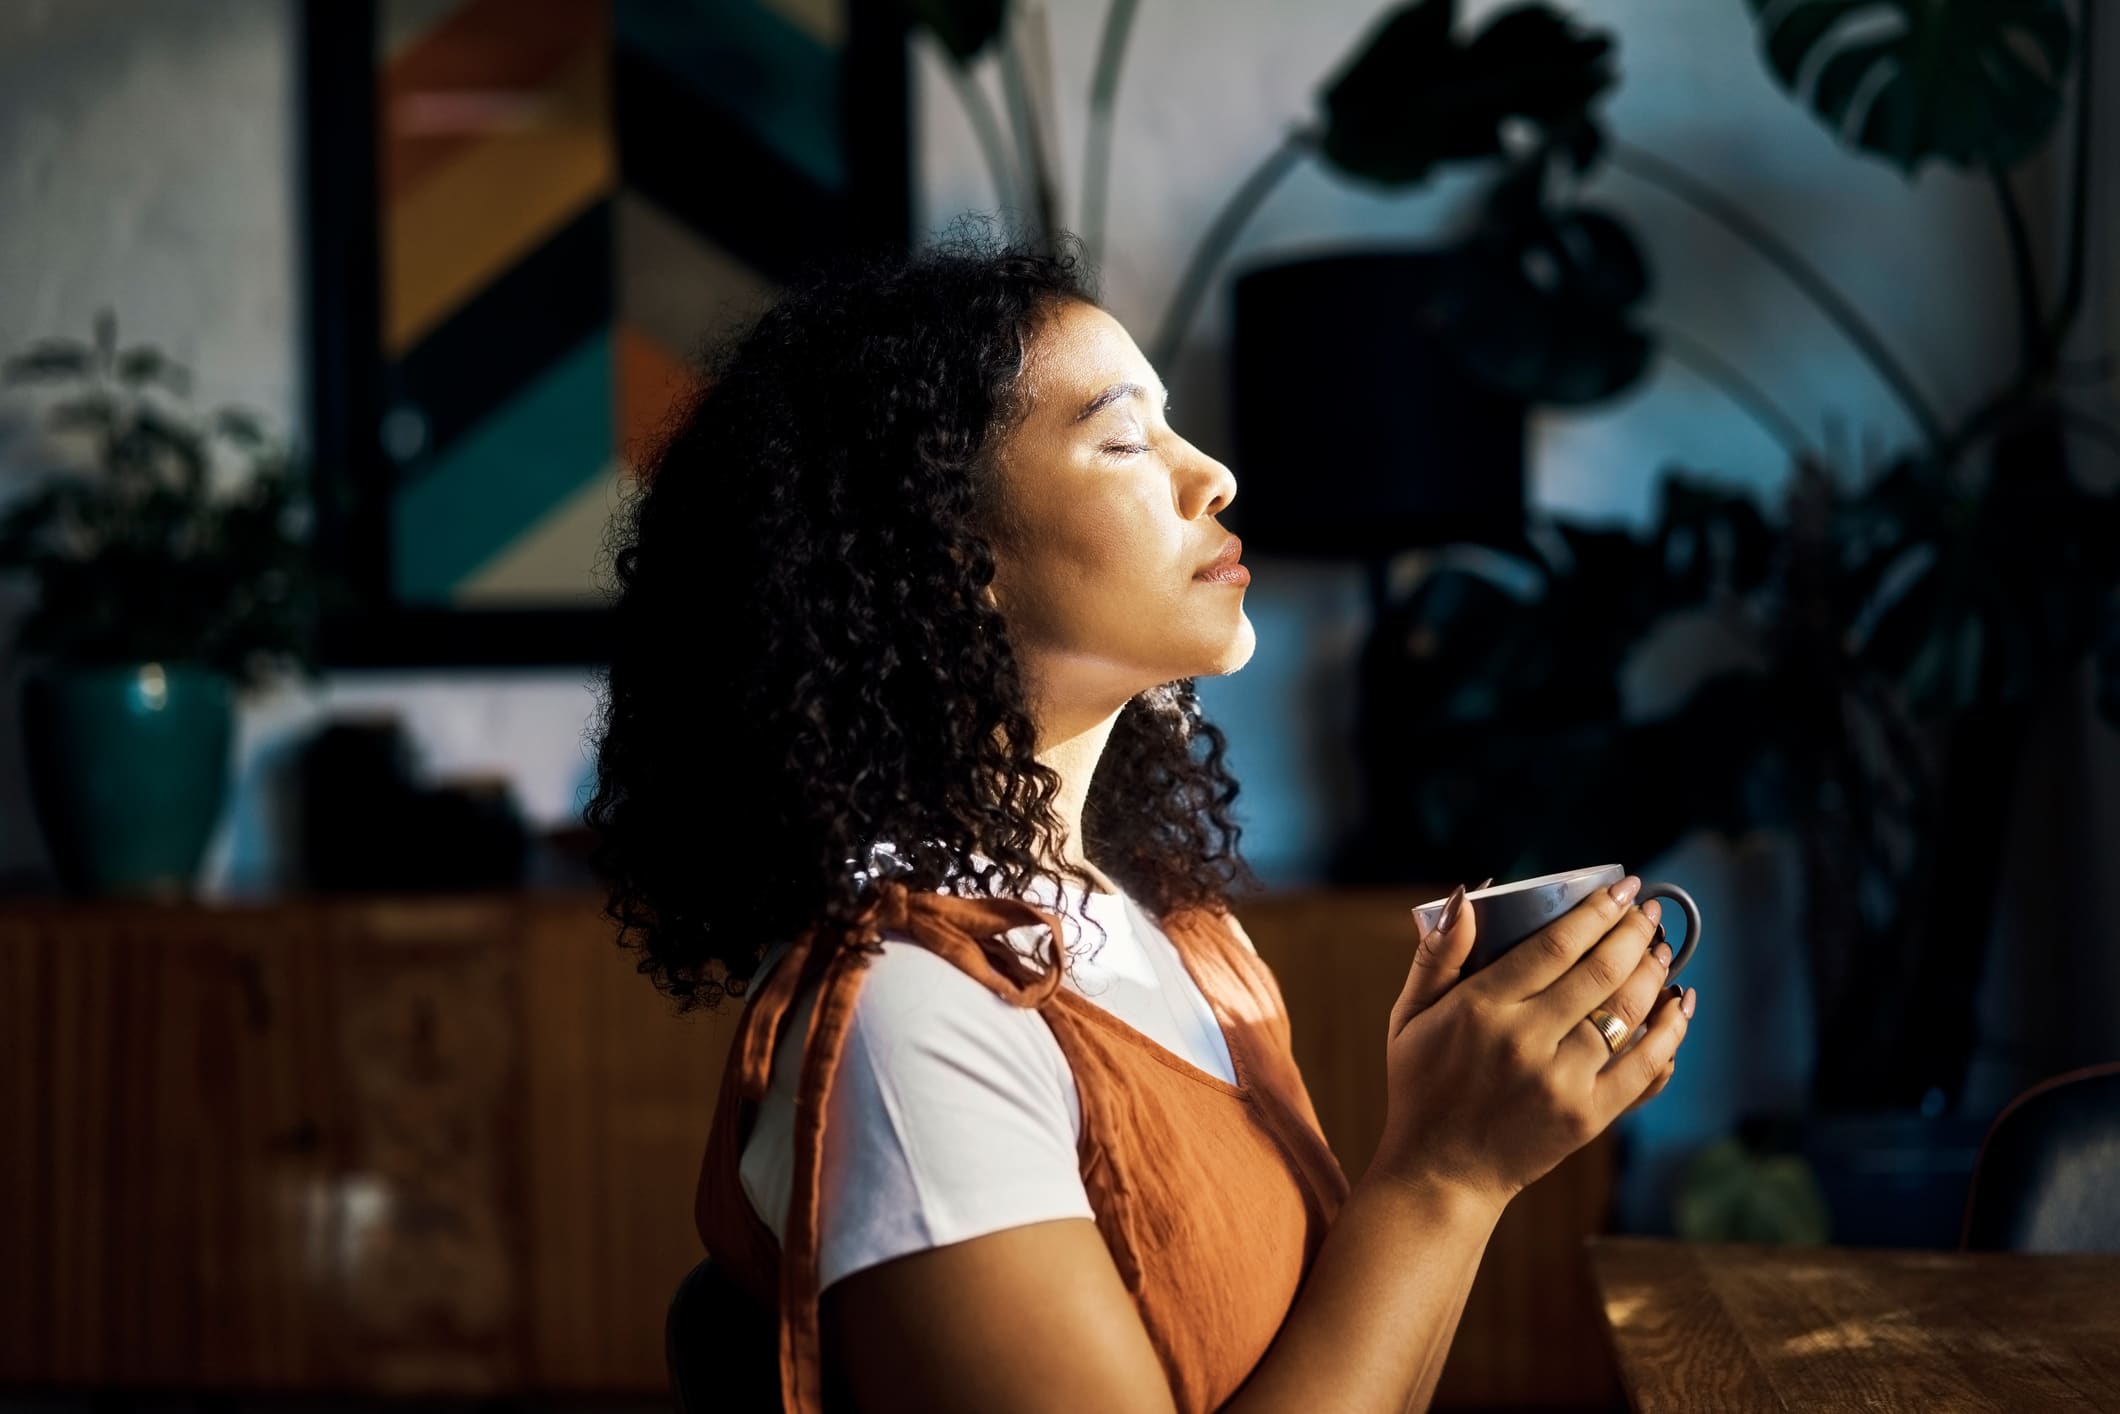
x: 1897, y: 630
x: 160, y: 598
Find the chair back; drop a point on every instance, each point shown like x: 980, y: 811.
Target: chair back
x: 723, y: 1352
x: 2048, y: 1175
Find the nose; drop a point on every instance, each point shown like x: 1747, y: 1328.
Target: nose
x: 1206, y: 487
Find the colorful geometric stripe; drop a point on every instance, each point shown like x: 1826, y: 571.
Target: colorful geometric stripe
x: 496, y: 199
x: 546, y: 562
x: 510, y: 331
x: 483, y: 68
x: 468, y: 504
x: 752, y: 66
x: 676, y: 285
x: 708, y: 168
x: 542, y: 304
x: 651, y: 384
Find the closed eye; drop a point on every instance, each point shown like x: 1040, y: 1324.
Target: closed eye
x: 1125, y: 449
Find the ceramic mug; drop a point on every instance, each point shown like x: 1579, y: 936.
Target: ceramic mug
x: 1509, y: 913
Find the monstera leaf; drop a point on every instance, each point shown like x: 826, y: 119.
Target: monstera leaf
x: 1963, y: 596
x: 1416, y: 97
x: 1711, y: 540
x: 1974, y: 82
x: 1539, y: 302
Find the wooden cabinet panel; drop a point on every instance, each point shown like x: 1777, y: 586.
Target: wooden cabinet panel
x: 1530, y: 1333
x: 430, y: 1242
x: 163, y: 1124
x: 621, y: 1091
x: 448, y: 1146
x: 406, y: 1146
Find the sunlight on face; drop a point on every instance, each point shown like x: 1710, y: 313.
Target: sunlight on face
x: 1114, y: 513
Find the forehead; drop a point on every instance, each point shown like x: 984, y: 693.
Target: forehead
x: 1077, y: 352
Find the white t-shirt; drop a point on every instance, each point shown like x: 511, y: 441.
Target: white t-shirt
x: 953, y: 1112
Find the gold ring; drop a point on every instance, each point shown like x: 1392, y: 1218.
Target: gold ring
x: 1610, y: 1027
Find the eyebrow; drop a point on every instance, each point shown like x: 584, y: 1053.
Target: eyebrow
x: 1112, y: 395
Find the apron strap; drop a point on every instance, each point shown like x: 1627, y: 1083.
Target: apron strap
x: 966, y: 930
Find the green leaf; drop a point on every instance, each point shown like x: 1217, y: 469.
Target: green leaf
x: 1540, y: 303
x: 964, y: 26
x: 1413, y: 97
x: 54, y: 358
x: 1710, y: 539
x: 1550, y: 70
x: 1729, y: 1194
x: 93, y: 412
x: 1971, y: 82
x: 138, y: 367
x: 173, y: 439
x: 240, y: 427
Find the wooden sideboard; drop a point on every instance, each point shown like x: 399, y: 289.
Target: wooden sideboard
x: 447, y: 1145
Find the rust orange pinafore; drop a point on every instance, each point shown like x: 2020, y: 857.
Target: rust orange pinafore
x: 1213, y: 1197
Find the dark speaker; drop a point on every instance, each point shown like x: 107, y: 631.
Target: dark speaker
x: 1357, y: 433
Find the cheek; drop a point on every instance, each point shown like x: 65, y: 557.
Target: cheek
x: 1110, y: 530
x: 1105, y: 559
x: 1135, y: 554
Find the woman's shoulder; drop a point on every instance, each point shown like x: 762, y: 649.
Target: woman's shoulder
x: 911, y: 991
x: 914, y: 1005
x: 951, y: 1113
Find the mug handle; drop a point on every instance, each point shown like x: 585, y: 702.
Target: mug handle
x: 1686, y: 906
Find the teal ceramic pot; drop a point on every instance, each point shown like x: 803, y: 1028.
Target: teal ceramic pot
x: 128, y: 769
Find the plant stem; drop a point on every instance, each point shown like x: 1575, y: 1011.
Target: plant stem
x: 988, y: 131
x: 1740, y: 390
x: 2030, y: 336
x: 1214, y: 244
x: 1103, y: 92
x: 1030, y: 144
x: 2071, y: 300
x: 1657, y: 172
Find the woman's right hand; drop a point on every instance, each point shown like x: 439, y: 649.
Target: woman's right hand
x: 1493, y: 1080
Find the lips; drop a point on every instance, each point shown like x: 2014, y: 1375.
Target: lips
x: 1224, y: 560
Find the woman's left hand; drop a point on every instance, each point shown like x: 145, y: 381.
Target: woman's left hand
x: 1437, y: 959
x: 1436, y: 965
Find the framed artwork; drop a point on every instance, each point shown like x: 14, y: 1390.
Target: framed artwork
x: 524, y: 218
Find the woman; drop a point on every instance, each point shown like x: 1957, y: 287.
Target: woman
x: 901, y: 746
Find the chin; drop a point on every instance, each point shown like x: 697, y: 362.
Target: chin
x: 1235, y: 651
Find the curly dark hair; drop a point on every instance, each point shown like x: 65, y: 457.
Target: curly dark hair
x: 804, y: 664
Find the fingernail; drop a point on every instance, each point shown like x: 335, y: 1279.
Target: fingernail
x: 1652, y: 910
x: 1623, y: 892
x: 1450, y: 910
x: 1484, y: 883
x: 1687, y: 1005
x: 1663, y: 955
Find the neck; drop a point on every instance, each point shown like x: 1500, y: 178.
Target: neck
x: 1072, y: 751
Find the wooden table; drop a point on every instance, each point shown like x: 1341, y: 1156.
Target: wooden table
x: 1707, y: 1327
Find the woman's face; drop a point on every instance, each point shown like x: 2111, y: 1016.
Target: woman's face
x: 1112, y: 516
